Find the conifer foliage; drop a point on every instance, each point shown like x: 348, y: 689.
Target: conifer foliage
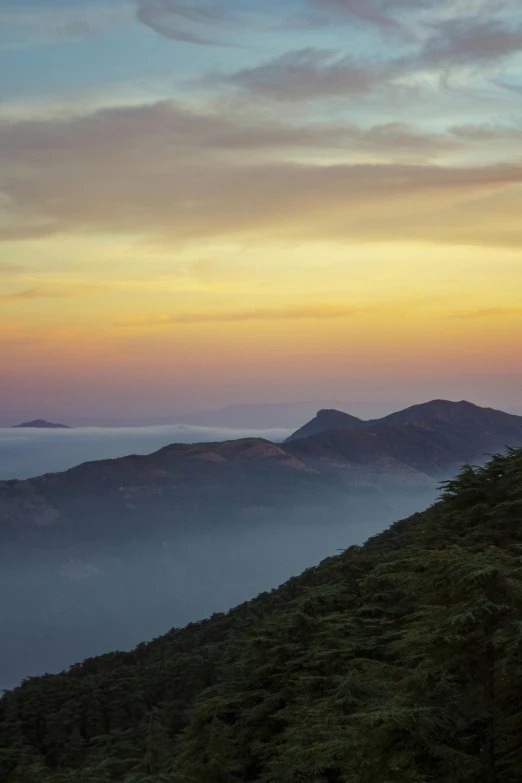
x: 396, y: 662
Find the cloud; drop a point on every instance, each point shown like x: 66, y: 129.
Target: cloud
x: 226, y: 22
x: 49, y: 293
x: 487, y: 312
x: 466, y: 41
x: 166, y: 124
x: 487, y: 133
x: 10, y: 269
x: 318, y: 74
x: 307, y: 312
x: 375, y: 12
x: 401, y: 15
x: 190, y: 21
x: 176, y: 176
x: 310, y: 74
x: 34, y: 23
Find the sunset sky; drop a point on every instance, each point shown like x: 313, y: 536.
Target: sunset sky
x: 227, y: 201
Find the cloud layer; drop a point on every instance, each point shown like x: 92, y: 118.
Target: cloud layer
x: 175, y: 174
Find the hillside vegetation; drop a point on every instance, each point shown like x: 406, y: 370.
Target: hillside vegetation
x: 400, y: 660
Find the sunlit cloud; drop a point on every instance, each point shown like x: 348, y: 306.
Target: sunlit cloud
x: 165, y: 172
x: 49, y: 293
x: 292, y: 313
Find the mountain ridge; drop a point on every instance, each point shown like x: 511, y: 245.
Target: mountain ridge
x: 383, y: 453
x: 438, y: 410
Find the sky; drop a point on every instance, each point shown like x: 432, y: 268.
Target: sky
x: 207, y: 203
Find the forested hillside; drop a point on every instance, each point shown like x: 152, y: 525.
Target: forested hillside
x: 399, y: 660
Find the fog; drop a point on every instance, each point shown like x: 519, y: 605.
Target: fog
x: 67, y: 598
x: 26, y: 453
x: 59, y: 607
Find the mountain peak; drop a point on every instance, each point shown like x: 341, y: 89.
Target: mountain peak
x: 327, y: 420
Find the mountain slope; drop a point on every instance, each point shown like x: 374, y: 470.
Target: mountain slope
x: 327, y: 420
x: 398, y: 660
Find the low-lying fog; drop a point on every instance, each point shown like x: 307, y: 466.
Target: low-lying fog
x: 60, y: 607
x: 26, y: 453
x: 68, y: 603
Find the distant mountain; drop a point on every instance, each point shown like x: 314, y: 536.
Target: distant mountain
x: 461, y: 413
x: 432, y: 440
x: 409, y: 450
x: 327, y: 420
x: 470, y: 419
x: 41, y: 424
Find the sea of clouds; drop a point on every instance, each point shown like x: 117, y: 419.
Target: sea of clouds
x: 25, y: 453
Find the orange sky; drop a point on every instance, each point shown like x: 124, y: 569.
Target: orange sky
x: 316, y: 218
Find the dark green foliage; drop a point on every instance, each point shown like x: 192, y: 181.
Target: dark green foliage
x: 396, y: 662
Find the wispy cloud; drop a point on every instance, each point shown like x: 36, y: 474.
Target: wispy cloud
x: 291, y: 313
x: 33, y: 23
x: 49, y: 293
x: 206, y: 23
x: 468, y: 40
x: 10, y: 269
x: 487, y: 312
x: 191, y: 176
x: 310, y: 74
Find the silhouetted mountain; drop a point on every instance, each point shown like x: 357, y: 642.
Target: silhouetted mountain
x: 41, y: 424
x: 470, y: 419
x: 463, y: 414
x: 327, y: 420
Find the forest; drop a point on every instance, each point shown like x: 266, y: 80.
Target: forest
x: 398, y: 661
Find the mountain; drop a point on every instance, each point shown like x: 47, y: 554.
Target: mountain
x: 469, y: 419
x: 327, y: 420
x: 41, y: 424
x: 432, y: 439
x: 461, y: 413
x: 397, y: 660
x: 411, y: 449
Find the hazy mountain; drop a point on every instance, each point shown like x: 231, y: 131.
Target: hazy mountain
x: 473, y: 421
x: 41, y: 424
x: 432, y: 439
